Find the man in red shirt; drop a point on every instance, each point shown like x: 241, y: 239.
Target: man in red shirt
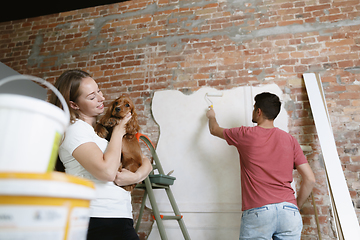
x: 268, y: 157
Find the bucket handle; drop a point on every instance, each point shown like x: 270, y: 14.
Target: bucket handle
x: 42, y: 81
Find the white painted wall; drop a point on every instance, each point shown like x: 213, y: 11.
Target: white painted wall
x: 207, y: 170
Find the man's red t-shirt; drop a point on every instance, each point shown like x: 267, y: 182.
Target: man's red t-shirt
x: 267, y: 159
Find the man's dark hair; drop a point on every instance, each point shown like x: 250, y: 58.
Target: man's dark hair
x: 269, y: 104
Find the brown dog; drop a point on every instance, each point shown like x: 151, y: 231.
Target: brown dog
x: 130, y: 152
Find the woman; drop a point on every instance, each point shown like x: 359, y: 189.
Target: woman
x: 84, y: 154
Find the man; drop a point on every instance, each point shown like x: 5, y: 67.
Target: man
x: 268, y: 156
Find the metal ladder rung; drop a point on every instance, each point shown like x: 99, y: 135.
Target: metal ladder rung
x: 170, y: 217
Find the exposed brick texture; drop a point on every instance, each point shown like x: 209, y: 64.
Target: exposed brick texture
x: 142, y: 46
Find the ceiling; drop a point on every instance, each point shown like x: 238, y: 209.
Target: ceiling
x: 21, y: 9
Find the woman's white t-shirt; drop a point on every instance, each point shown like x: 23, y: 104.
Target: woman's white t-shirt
x: 111, y: 201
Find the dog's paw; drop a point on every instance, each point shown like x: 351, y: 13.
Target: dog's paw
x: 111, y: 122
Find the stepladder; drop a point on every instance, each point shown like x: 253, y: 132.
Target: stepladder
x: 159, y: 181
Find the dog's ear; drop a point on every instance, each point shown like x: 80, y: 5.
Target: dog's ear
x: 101, y: 131
x: 135, y: 116
x: 132, y: 127
x: 136, y: 123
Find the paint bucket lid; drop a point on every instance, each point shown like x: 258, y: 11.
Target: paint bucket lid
x: 33, y: 105
x: 54, y: 184
x: 47, y: 84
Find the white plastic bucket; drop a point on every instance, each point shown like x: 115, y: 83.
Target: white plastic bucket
x: 44, y: 206
x: 30, y: 130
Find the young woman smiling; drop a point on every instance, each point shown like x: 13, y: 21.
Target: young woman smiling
x: 84, y: 154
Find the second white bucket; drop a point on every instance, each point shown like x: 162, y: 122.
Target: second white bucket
x: 30, y: 130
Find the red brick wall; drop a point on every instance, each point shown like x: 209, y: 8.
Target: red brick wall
x: 139, y: 47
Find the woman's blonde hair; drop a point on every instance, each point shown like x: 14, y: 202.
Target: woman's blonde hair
x: 68, y: 85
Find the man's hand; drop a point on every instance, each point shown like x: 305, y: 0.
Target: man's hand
x: 214, y: 127
x: 210, y: 113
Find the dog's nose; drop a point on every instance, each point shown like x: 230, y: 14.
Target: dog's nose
x: 117, y: 109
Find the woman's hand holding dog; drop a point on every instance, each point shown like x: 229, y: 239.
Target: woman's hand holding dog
x: 107, y: 169
x: 126, y: 177
x: 120, y: 128
x: 103, y: 166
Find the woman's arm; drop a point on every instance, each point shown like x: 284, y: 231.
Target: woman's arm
x: 103, y: 166
x: 126, y: 177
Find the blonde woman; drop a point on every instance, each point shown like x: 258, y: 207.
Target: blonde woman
x: 84, y: 154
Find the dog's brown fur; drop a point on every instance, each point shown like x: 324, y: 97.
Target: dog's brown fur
x: 130, y: 152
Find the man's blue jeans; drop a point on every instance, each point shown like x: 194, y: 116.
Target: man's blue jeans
x: 277, y: 221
